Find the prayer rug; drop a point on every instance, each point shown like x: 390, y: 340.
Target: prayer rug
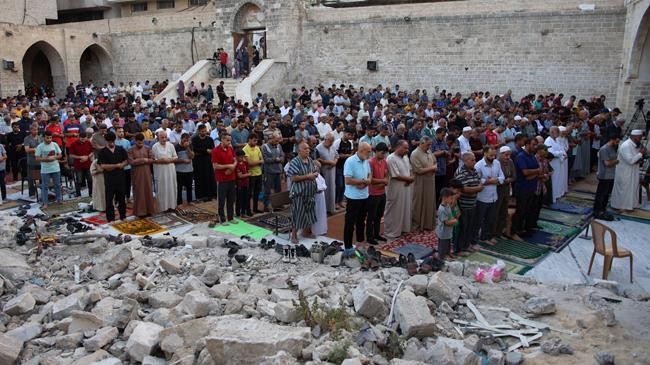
x: 579, y: 202
x: 138, y: 227
x: 485, y: 258
x: 581, y: 195
x: 168, y: 220
x: 518, y: 251
x: 209, y: 206
x: 570, y: 208
x: 424, y: 238
x: 558, y: 229
x: 196, y: 214
x: 9, y: 204
x: 417, y: 250
x: 100, y: 218
x: 546, y: 239
x: 242, y: 228
x: 637, y: 215
x: 66, y: 206
x: 565, y: 218
x: 270, y: 219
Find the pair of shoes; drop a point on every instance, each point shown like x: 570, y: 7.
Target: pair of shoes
x: 230, y: 244
x: 289, y: 254
x: 267, y: 245
x: 411, y: 264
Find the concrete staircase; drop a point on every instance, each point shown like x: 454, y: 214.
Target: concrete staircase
x: 229, y: 85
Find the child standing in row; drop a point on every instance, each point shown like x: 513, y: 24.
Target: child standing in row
x: 446, y: 222
x: 242, y: 208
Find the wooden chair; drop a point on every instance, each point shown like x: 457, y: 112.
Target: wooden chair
x: 277, y: 200
x: 613, y: 251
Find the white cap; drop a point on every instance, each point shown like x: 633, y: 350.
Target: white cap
x: 637, y: 132
x: 517, y: 118
x: 524, y: 119
x: 562, y: 128
x: 467, y: 129
x: 504, y: 149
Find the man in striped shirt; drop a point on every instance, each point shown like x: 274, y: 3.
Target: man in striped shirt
x: 469, y: 178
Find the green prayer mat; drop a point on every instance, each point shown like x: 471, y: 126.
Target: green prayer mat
x: 567, y: 219
x: 243, y: 229
x: 518, y: 251
x: 558, y: 229
x: 511, y: 267
x: 637, y: 215
x: 581, y: 202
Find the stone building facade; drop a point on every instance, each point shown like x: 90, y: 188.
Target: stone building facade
x: 523, y: 45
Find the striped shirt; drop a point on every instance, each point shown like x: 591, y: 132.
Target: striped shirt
x: 469, y: 178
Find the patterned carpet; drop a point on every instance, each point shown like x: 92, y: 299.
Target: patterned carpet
x: 424, y: 238
x: 511, y: 266
x: 525, y: 253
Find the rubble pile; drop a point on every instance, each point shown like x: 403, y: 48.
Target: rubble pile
x: 103, y: 302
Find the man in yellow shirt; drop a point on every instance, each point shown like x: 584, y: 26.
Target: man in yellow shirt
x: 255, y: 161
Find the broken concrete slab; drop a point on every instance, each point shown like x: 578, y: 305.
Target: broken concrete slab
x: 369, y: 302
x: 195, y: 304
x: 14, y: 266
x: 418, y: 283
x: 540, y: 305
x: 84, y: 321
x: 64, y: 307
x: 164, y: 299
x: 19, y: 304
x: 413, y: 316
x: 442, y: 287
x: 152, y: 360
x: 102, y: 337
x: 186, y: 335
x: 170, y: 265
x: 41, y: 295
x: 10, y: 349
x: 143, y: 340
x: 93, y: 358
x: 26, y: 332
x: 286, y: 312
x: 114, y: 261
x: 283, y: 295
x: 238, y: 341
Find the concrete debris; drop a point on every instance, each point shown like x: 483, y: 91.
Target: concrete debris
x: 540, y: 305
x: 102, y: 337
x: 143, y: 340
x: 84, y: 321
x: 14, y: 266
x: 249, y: 341
x: 114, y: 261
x: 419, y: 284
x: 164, y: 299
x: 9, y: 349
x: 554, y: 346
x: 286, y: 312
x: 171, y: 265
x: 413, y: 316
x: 604, y: 358
x: 514, y: 358
x: 442, y: 287
x: 19, y: 304
x: 368, y: 302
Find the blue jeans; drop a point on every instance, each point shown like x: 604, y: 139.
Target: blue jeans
x: 56, y: 180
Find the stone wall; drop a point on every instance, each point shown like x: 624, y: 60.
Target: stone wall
x: 537, y: 51
x: 13, y: 11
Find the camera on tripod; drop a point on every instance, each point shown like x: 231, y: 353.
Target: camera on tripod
x: 639, y: 103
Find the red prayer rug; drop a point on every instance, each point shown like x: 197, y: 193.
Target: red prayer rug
x: 424, y: 238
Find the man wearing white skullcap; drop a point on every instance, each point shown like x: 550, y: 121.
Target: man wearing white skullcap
x: 560, y: 164
x: 503, y: 190
x: 626, y: 179
x: 463, y: 141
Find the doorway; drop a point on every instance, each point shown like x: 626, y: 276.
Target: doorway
x: 253, y: 43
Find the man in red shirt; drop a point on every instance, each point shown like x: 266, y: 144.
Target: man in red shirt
x: 57, y: 132
x: 82, y: 153
x: 224, y: 163
x: 377, y: 193
x: 223, y: 60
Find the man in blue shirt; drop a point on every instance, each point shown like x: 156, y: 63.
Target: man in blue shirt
x: 440, y: 150
x: 528, y: 172
x: 357, y: 178
x: 49, y: 154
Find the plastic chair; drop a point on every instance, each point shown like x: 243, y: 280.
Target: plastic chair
x: 613, y: 251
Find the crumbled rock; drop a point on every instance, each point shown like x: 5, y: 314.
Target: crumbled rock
x: 171, y: 265
x: 19, y: 304
x: 554, y: 346
x: 41, y: 295
x: 249, y: 341
x: 102, y: 337
x: 187, y: 335
x: 418, y: 283
x: 143, y: 340
x: 13, y: 266
x: 94, y: 358
x: 26, y: 332
x: 286, y: 312
x: 195, y: 304
x: 604, y: 358
x: 9, y: 349
x: 455, y: 267
x: 114, y: 261
x: 413, y: 316
x: 283, y: 295
x: 540, y: 305
x: 473, y: 343
x: 368, y: 302
x: 64, y: 307
x: 84, y: 321
x: 152, y: 360
x: 514, y: 358
x: 210, y: 276
x: 442, y: 288
x: 495, y: 357
x: 164, y: 299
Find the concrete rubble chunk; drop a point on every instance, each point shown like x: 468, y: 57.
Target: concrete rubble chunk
x: 64, y: 307
x: 164, y: 299
x: 418, y: 283
x: 210, y: 276
x: 604, y: 358
x: 266, y: 308
x: 127, y: 312
x: 195, y: 303
x: 461, y: 354
x: 185, y: 335
x: 495, y: 357
x: 193, y: 283
x: 171, y: 265
x: 114, y: 261
x: 238, y: 341
x: 70, y: 341
x: 41, y: 295
x: 152, y: 360
x: 283, y: 295
x: 540, y: 305
x: 108, y: 361
x: 14, y: 266
x: 19, y: 304
x: 102, y: 337
x: 281, y: 358
x: 369, y: 302
x: 354, y: 361
x: 93, y: 358
x: 514, y: 358
x: 413, y: 315
x: 10, y: 348
x: 286, y: 312
x: 442, y: 288
x: 84, y: 321
x: 143, y: 340
x: 405, y: 362
x: 26, y: 332
x: 194, y: 241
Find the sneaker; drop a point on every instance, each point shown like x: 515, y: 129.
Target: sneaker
x: 286, y: 253
x: 293, y: 257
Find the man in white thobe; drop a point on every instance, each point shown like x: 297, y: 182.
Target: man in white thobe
x: 164, y: 172
x: 559, y: 179
x: 626, y: 180
x: 397, y: 215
